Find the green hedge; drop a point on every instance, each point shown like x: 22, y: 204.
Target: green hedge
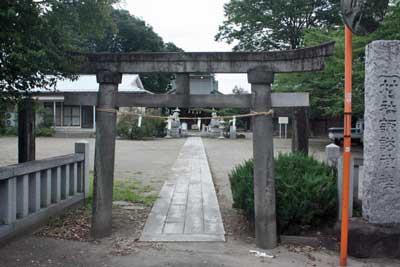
x: 9, y: 131
x: 150, y: 128
x: 45, y: 132
x: 306, y: 192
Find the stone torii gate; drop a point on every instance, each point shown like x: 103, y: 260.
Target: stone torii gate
x: 260, y: 68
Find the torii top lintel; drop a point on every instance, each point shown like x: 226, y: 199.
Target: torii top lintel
x: 299, y: 60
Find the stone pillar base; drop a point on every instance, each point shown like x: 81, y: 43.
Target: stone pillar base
x: 368, y: 240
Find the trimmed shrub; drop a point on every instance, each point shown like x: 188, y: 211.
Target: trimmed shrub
x: 150, y: 128
x: 45, y: 132
x: 306, y: 192
x: 9, y: 131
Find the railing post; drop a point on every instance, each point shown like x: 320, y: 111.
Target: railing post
x: 56, y: 185
x: 34, y: 192
x: 104, y: 153
x: 333, y: 158
x: 65, y: 177
x: 261, y: 79
x: 74, y: 179
x: 83, y: 147
x: 45, y: 188
x: 8, y: 200
x: 23, y: 196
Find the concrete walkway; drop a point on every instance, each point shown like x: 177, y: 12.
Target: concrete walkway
x: 187, y: 208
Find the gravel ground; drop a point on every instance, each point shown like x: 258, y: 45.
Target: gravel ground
x: 151, y: 160
x: 147, y: 161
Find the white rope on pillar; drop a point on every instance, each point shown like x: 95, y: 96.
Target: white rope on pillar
x: 169, y: 125
x: 140, y: 121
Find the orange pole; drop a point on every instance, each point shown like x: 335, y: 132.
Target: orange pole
x: 346, y: 146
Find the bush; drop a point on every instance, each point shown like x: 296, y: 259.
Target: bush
x: 45, y: 132
x: 47, y: 120
x: 9, y: 131
x: 151, y: 127
x: 306, y: 192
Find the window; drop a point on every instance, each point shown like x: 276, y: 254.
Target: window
x: 72, y: 116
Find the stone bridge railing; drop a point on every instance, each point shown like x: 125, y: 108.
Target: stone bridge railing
x: 31, y: 192
x: 334, y: 158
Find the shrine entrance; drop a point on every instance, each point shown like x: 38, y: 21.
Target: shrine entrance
x: 260, y: 68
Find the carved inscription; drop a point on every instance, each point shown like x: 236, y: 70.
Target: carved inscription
x: 388, y: 145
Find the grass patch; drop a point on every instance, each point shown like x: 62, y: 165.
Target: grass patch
x: 133, y: 191
x: 128, y: 190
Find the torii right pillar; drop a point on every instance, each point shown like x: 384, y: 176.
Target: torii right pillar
x: 261, y: 79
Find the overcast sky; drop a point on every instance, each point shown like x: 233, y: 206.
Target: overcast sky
x: 191, y: 25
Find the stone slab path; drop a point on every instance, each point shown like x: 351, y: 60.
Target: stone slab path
x: 187, y: 208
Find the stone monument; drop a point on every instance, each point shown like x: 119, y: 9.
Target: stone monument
x: 381, y: 183
x: 214, y: 127
x: 174, y: 125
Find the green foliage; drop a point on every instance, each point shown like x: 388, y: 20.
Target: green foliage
x: 306, y: 191
x: 9, y: 131
x: 151, y: 127
x: 241, y: 179
x: 127, y: 190
x: 274, y: 24
x: 134, y: 35
x: 35, y: 38
x: 45, y: 115
x: 262, y: 25
x: 3, y: 110
x: 241, y: 123
x: 44, y: 132
x: 133, y: 191
x: 45, y: 127
x: 326, y: 87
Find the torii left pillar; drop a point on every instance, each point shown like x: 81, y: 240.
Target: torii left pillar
x: 105, y: 153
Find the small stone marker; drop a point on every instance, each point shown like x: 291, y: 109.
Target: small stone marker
x: 332, y: 153
x: 381, y: 183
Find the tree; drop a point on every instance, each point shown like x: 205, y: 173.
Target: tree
x: 36, y: 36
x: 135, y: 35
x: 326, y: 87
x: 274, y: 24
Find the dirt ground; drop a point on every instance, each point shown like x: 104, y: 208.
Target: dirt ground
x: 150, y: 162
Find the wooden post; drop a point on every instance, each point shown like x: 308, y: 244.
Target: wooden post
x: 300, y: 131
x: 104, y: 153
x: 264, y: 182
x: 26, y: 130
x: 182, y: 83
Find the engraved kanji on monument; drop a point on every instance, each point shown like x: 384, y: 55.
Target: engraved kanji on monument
x: 381, y: 182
